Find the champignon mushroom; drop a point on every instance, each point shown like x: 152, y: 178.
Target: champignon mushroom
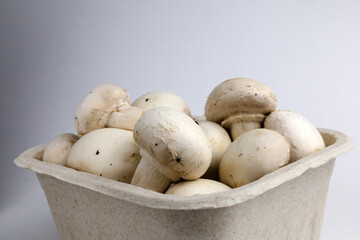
x: 106, y: 106
x: 303, y: 137
x: 161, y: 99
x: 124, y: 117
x: 220, y: 141
x: 107, y: 152
x: 57, y: 151
x: 196, y: 187
x: 172, y: 146
x: 240, y: 104
x: 252, y: 155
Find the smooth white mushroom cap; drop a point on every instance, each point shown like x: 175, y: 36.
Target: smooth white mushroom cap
x: 302, y: 135
x: 252, y: 155
x: 108, y: 152
x: 161, y: 99
x: 239, y: 95
x: 172, y: 138
x: 93, y: 111
x: 196, y: 187
x: 220, y: 141
x: 57, y: 151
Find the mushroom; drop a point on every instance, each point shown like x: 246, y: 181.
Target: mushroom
x: 220, y: 141
x: 240, y: 104
x: 172, y: 146
x: 196, y: 187
x: 161, y: 99
x: 58, y: 149
x: 107, y: 152
x: 124, y: 117
x: 252, y: 155
x: 303, y: 137
x: 106, y: 106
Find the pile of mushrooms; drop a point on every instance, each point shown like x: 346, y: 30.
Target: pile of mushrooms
x: 156, y: 144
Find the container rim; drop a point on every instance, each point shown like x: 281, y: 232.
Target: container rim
x: 336, y: 144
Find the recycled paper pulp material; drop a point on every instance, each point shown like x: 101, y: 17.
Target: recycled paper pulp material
x: 286, y: 204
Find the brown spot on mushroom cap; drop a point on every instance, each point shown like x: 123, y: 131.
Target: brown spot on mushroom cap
x: 239, y: 95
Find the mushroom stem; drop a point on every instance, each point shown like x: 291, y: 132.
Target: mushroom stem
x: 239, y: 128
x: 239, y: 123
x: 148, y: 176
x: 124, y: 117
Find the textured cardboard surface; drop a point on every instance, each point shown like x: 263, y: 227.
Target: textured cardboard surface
x: 286, y: 204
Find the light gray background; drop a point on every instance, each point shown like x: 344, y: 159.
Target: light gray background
x: 52, y: 53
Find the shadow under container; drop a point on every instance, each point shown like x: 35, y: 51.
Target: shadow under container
x: 286, y: 204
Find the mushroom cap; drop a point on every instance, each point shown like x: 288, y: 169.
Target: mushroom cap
x: 302, y: 135
x: 239, y: 95
x: 179, y: 146
x: 93, y: 111
x: 196, y: 187
x: 108, y: 152
x: 58, y: 149
x: 252, y: 155
x: 161, y: 99
x: 219, y: 140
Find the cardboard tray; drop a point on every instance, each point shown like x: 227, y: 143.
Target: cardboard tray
x: 286, y: 204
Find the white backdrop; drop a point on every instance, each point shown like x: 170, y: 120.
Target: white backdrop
x: 53, y: 52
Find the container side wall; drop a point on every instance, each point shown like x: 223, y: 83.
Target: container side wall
x: 293, y: 210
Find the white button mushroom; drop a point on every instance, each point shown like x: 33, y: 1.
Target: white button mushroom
x: 196, y: 187
x: 57, y: 151
x: 240, y: 104
x: 124, y: 117
x: 303, y: 137
x: 161, y: 99
x: 252, y: 155
x: 172, y: 146
x: 106, y: 106
x: 220, y: 141
x: 107, y: 152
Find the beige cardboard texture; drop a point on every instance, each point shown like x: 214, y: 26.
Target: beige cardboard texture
x: 285, y: 204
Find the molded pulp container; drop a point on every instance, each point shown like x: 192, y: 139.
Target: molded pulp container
x: 286, y: 204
